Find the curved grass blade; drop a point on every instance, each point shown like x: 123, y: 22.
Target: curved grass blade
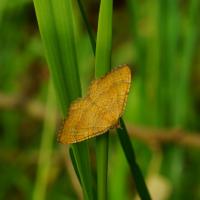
x: 130, y: 156
x: 55, y: 19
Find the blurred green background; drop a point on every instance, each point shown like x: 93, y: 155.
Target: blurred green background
x: 161, y: 42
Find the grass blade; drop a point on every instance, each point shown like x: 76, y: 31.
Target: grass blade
x: 130, y: 156
x: 125, y: 142
x: 139, y: 44
x: 46, y: 146
x: 90, y: 33
x: 102, y: 66
x: 56, y: 26
x: 104, y: 39
x: 186, y: 64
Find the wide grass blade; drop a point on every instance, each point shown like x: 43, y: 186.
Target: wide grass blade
x: 55, y: 19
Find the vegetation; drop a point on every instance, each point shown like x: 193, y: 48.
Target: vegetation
x: 44, y: 69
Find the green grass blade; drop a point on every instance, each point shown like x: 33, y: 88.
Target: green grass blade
x: 130, y: 156
x: 181, y: 98
x: 102, y: 165
x: 140, y: 47
x: 44, y: 162
x: 173, y: 19
x: 90, y: 33
x: 169, y: 29
x: 102, y: 66
x: 45, y: 17
x: 104, y: 39
x: 73, y: 160
x: 128, y: 150
x: 55, y: 20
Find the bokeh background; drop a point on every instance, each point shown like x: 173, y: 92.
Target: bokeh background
x: 161, y: 42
